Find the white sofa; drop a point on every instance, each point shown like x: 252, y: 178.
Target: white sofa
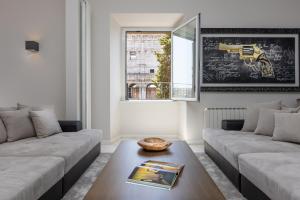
x: 260, y: 167
x: 276, y: 174
x: 46, y: 168
x: 28, y: 178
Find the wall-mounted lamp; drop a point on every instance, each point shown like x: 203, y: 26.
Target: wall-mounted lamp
x: 32, y: 46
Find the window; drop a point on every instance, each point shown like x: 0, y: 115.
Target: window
x: 132, y: 55
x: 151, y: 91
x: 148, y: 65
x: 162, y: 65
x: 133, y: 91
x: 185, y: 62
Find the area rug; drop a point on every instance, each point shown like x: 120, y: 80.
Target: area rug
x: 82, y: 186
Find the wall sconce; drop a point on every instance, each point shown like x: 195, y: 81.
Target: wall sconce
x: 32, y: 46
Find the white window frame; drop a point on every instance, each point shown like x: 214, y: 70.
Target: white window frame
x: 197, y: 61
x: 123, y: 59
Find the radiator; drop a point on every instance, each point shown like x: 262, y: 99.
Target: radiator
x: 213, y: 116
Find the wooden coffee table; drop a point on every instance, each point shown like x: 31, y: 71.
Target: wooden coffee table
x: 193, y: 184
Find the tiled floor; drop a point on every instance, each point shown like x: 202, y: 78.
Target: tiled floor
x: 110, y: 148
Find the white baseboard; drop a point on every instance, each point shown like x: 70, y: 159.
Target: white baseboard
x: 106, y: 142
x: 111, y: 141
x: 192, y: 142
x: 195, y: 142
x: 138, y: 137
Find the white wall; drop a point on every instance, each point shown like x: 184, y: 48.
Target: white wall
x: 100, y: 69
x: 141, y: 119
x: 34, y: 79
x: 72, y: 44
x: 115, y: 79
x: 215, y: 13
x: 135, y: 118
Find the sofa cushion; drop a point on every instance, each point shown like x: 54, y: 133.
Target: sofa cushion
x: 3, y: 133
x: 253, y: 113
x: 18, y: 124
x: 24, y: 178
x: 276, y: 174
x: 209, y: 135
x: 8, y: 108
x: 266, y: 121
x: 72, y: 146
x: 45, y: 123
x: 287, y: 127
x: 231, y: 144
x: 290, y: 109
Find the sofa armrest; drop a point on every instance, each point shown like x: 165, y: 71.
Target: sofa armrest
x: 233, y: 124
x: 70, y: 126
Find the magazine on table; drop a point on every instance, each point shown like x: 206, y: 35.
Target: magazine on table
x: 156, y: 174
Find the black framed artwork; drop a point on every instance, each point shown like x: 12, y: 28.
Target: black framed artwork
x: 249, y: 59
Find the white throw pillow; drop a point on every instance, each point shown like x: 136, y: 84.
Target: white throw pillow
x: 251, y: 119
x: 266, y: 121
x: 45, y: 123
x: 18, y: 124
x: 287, y: 127
x: 290, y: 109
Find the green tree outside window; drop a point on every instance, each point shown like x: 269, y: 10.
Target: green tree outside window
x: 163, y: 75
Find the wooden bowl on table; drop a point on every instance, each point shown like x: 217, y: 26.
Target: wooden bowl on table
x: 154, y: 144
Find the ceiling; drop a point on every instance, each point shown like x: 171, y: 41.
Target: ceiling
x: 147, y: 19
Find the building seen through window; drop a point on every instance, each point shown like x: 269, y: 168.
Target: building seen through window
x: 148, y: 65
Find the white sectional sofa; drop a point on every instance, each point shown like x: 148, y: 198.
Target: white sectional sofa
x: 258, y: 166
x: 29, y: 177
x: 46, y: 168
x: 276, y: 174
x: 71, y: 146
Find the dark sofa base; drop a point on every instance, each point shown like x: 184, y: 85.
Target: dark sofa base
x: 57, y: 191
x: 54, y: 193
x: 232, y: 174
x: 75, y: 172
x: 250, y: 191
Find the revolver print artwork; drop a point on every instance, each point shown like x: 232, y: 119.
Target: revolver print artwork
x: 251, y: 53
x: 241, y: 60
